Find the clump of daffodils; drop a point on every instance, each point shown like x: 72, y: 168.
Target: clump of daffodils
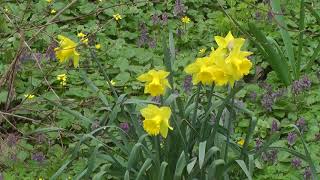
x: 225, y: 65
x: 67, y: 51
x: 156, y: 120
x: 156, y: 82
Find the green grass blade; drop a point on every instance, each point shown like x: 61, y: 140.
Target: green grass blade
x: 300, y: 41
x: 271, y: 55
x: 163, y: 170
x: 244, y: 168
x: 144, y: 167
x: 181, y: 164
x: 275, y: 4
x: 202, y: 151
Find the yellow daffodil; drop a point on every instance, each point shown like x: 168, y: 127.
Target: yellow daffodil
x: 185, y: 20
x: 53, y: 11
x: 62, y: 78
x: 202, y: 50
x: 225, y: 65
x: 117, y: 17
x: 67, y: 50
x: 81, y: 35
x: 98, y: 46
x: 156, y: 120
x: 241, y: 142
x: 156, y: 82
x: 29, y: 96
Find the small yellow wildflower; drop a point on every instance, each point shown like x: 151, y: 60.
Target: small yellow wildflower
x: 155, y: 82
x: 202, y: 50
x: 62, y: 78
x: 6, y: 9
x: 81, y: 35
x: 241, y: 142
x: 117, y: 17
x: 49, y: 1
x: 113, y: 82
x: 67, y: 51
x: 156, y: 120
x: 85, y: 41
x: 98, y: 46
x: 185, y: 20
x: 29, y: 96
x: 53, y: 11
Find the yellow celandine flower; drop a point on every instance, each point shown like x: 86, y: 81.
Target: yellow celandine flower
x: 85, y: 41
x: 98, y: 46
x: 53, y: 11
x: 67, y: 50
x: 81, y: 35
x: 156, y: 82
x: 29, y: 96
x: 202, y: 50
x: 49, y: 1
x: 185, y: 20
x: 62, y: 78
x: 117, y: 17
x: 156, y: 120
x: 224, y: 65
x: 241, y: 142
x: 113, y: 82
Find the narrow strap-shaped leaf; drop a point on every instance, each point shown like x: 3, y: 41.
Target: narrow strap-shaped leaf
x: 191, y: 165
x: 301, y: 29
x: 275, y: 4
x: 202, y: 152
x: 163, y: 170
x: 181, y: 164
x: 144, y: 167
x: 244, y: 168
x: 126, y: 175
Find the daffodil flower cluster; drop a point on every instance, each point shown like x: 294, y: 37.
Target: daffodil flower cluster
x: 156, y: 118
x: 225, y: 65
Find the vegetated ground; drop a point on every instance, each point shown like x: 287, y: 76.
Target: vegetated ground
x: 36, y: 136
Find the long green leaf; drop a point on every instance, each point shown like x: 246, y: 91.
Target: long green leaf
x: 144, y: 167
x: 275, y: 4
x: 202, y: 151
x: 301, y: 29
x: 271, y: 55
x: 244, y: 168
x: 163, y: 170
x: 181, y: 164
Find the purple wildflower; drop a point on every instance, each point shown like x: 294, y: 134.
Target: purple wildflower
x: 301, y: 85
x: 164, y: 18
x: 152, y: 43
x: 187, y: 84
x: 179, y: 8
x: 274, y: 126
x: 144, y: 35
x: 270, y: 97
x: 125, y: 127
x: 267, y: 101
x: 291, y: 138
x: 40, y: 138
x: 307, y: 173
x: 12, y: 140
x: 301, y: 123
x: 39, y: 156
x: 258, y: 144
x: 155, y: 19
x: 296, y: 162
x: 270, y: 156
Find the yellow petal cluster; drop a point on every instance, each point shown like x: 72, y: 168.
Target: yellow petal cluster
x: 156, y: 120
x: 185, y: 20
x: 62, y: 78
x: 156, y: 82
x: 67, y: 50
x: 29, y: 96
x: 225, y: 65
x: 117, y: 17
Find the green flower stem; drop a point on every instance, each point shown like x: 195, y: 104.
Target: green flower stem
x: 105, y: 75
x: 194, y: 117
x: 204, y: 122
x: 158, y: 149
x: 229, y: 125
